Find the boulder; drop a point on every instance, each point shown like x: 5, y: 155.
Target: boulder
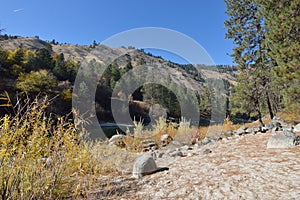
x: 144, y: 164
x: 297, y: 128
x: 284, y: 139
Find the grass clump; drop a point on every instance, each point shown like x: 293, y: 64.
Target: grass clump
x: 43, y: 159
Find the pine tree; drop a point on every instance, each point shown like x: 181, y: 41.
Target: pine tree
x: 282, y: 20
x: 245, y: 27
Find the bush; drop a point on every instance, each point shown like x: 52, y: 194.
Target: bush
x: 37, y: 82
x: 42, y: 159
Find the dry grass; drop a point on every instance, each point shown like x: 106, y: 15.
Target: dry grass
x: 185, y: 132
x: 43, y: 159
x: 290, y: 117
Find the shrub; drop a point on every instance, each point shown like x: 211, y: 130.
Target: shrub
x: 42, y: 159
x: 185, y: 132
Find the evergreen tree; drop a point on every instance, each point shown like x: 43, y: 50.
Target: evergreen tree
x: 245, y: 27
x: 44, y: 59
x: 282, y: 20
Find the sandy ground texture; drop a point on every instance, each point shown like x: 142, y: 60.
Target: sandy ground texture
x: 238, y: 168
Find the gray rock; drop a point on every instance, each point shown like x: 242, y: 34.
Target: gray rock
x: 288, y: 133
x: 283, y: 140
x: 175, y: 143
x: 264, y: 129
x: 168, y: 151
x: 148, y: 145
x: 144, y: 164
x: 176, y: 153
x: 256, y: 129
x: 241, y: 130
x: 297, y: 128
x: 269, y: 126
x: 186, y: 148
x: 160, y: 154
x: 288, y: 128
x: 277, y: 122
x: 197, y: 146
x: 205, y: 141
x: 207, y: 151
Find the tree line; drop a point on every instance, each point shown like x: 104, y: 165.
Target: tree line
x: 267, y: 51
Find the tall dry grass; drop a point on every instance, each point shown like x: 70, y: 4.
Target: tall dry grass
x: 43, y: 159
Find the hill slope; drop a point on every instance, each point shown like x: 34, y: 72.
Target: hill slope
x: 183, y: 77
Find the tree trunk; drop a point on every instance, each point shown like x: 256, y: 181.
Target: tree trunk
x: 269, y: 106
x: 256, y: 104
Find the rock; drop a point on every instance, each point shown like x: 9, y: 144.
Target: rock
x: 207, y: 151
x: 117, y: 140
x: 269, y: 126
x: 160, y: 154
x: 284, y: 139
x: 175, y: 143
x: 241, y: 130
x: 165, y: 139
x: 154, y: 156
x: 215, y: 137
x: 297, y: 128
x: 288, y: 133
x: 176, y: 153
x: 190, y: 154
x: 256, y: 129
x: 149, y: 145
x: 265, y: 129
x: 205, y: 141
x: 144, y: 164
x: 197, y: 146
x: 186, y: 148
x: 288, y: 128
x: 277, y: 122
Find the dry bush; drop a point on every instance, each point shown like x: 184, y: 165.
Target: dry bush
x: 42, y: 159
x: 185, y: 132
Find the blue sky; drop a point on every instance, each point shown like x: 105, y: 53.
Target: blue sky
x: 81, y: 22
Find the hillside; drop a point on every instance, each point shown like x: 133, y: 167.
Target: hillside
x: 80, y: 53
x: 66, y: 59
